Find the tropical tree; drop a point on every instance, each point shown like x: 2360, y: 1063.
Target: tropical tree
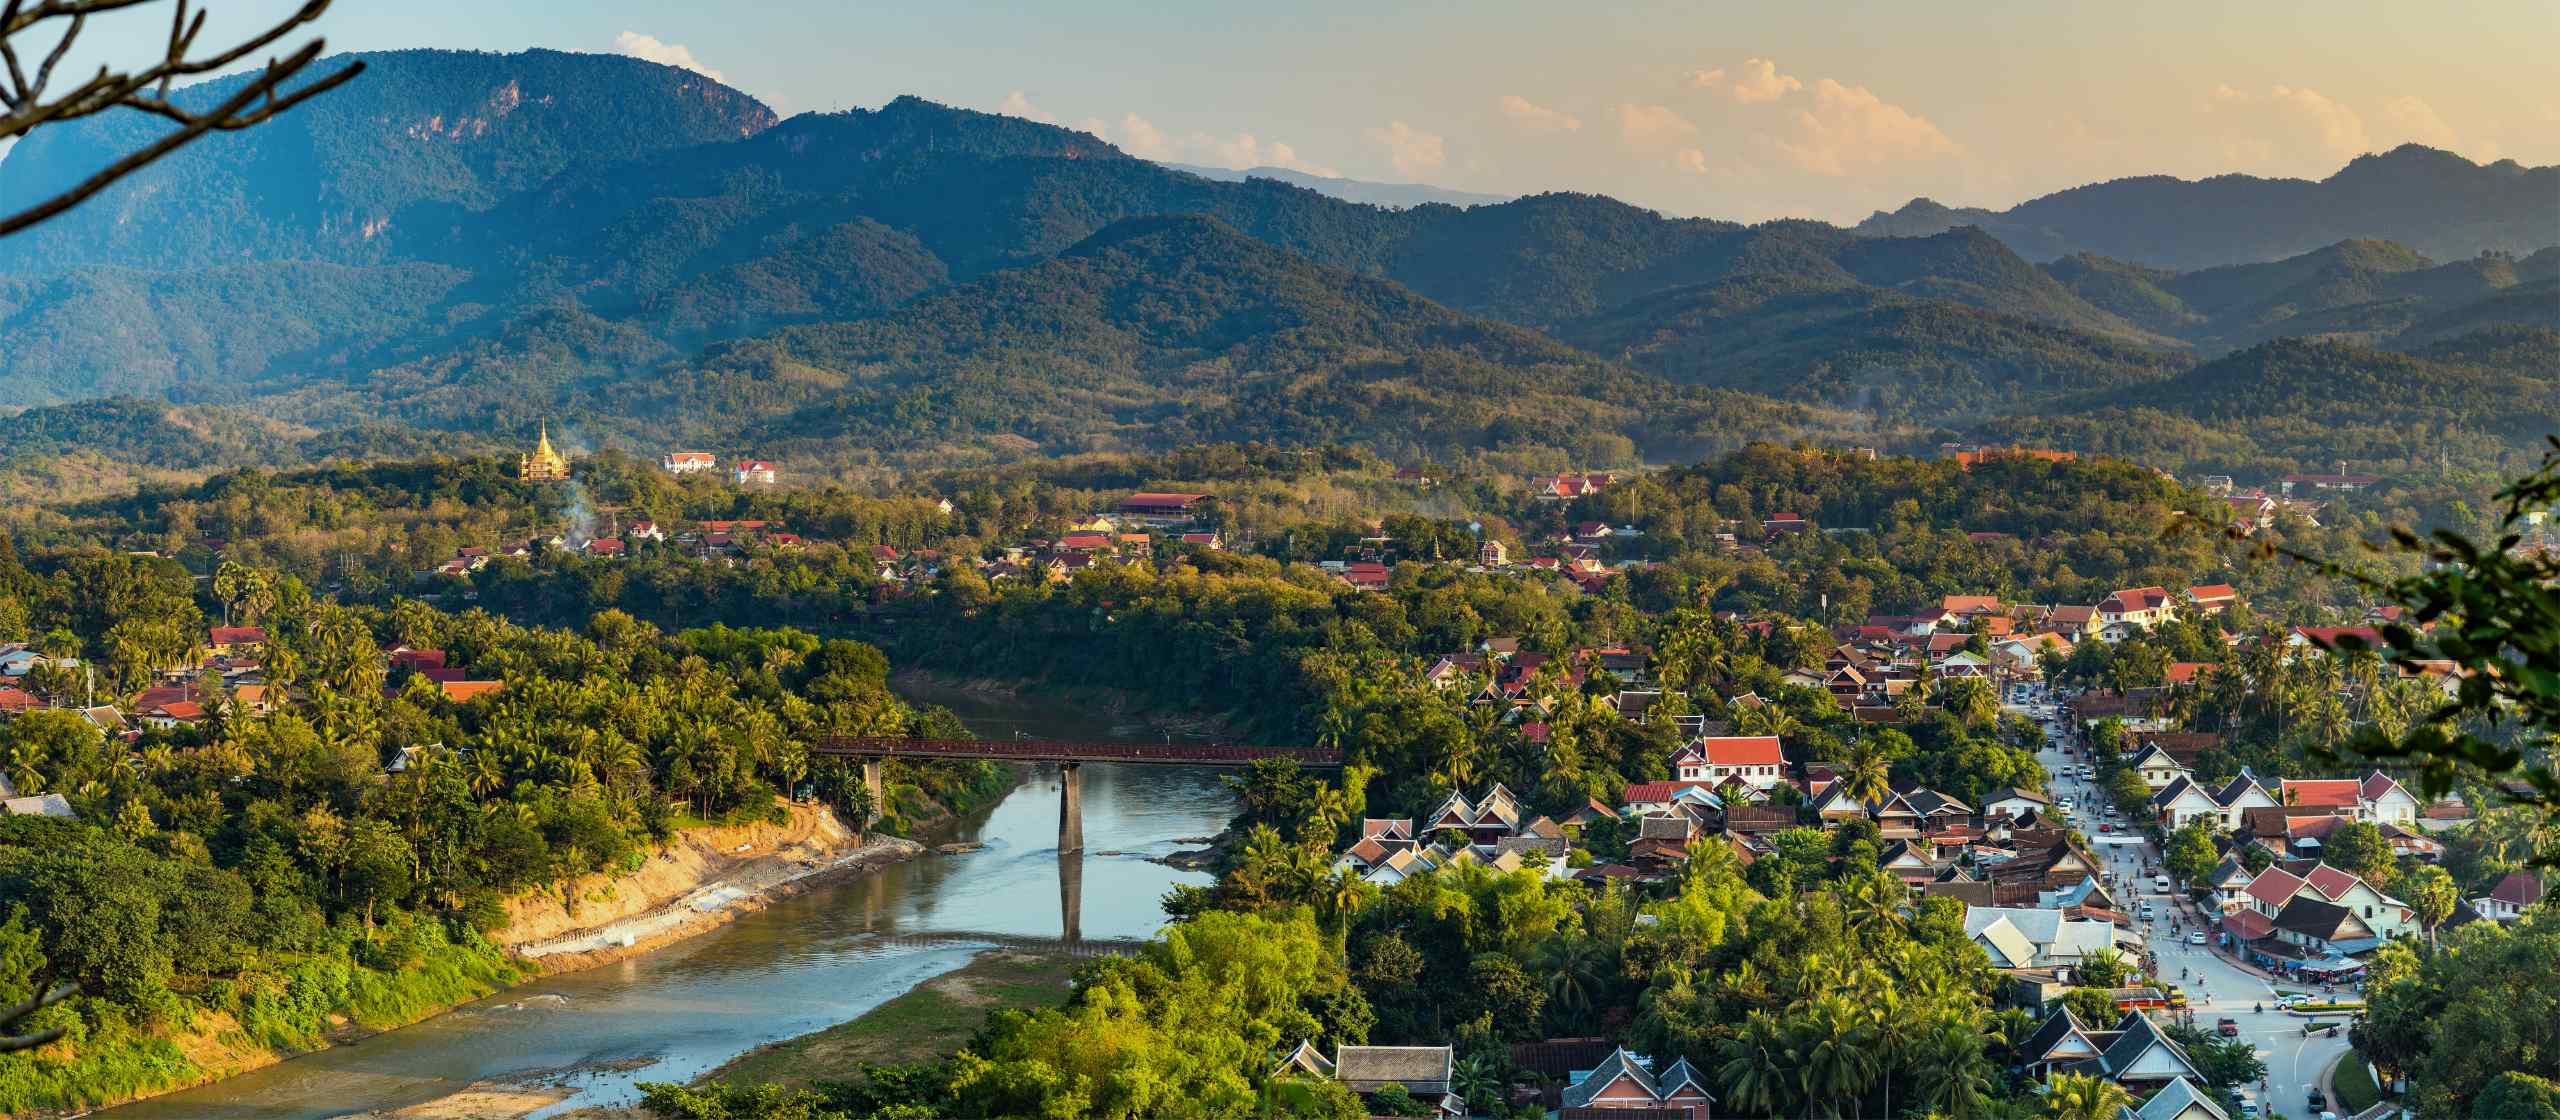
x: 2082, y: 1096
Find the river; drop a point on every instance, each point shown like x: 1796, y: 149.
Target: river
x: 797, y: 966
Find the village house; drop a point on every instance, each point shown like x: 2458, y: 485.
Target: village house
x: 1624, y: 1082
x: 2027, y: 937
x: 1565, y: 487
x: 756, y: 472
x: 2212, y: 598
x: 1162, y: 509
x: 235, y: 641
x: 689, y: 462
x: 2138, y: 606
x: 2508, y: 900
x: 1423, y: 1071
x: 1756, y: 761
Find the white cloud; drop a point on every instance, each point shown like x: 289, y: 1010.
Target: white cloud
x: 2412, y: 119
x: 651, y: 48
x: 1757, y: 82
x: 1849, y: 127
x: 1537, y: 118
x: 1410, y: 150
x: 2286, y: 129
x: 1144, y: 139
x: 1140, y: 137
x: 1016, y: 104
x: 1654, y: 129
x: 1691, y: 160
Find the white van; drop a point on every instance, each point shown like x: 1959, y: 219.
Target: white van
x: 2160, y: 883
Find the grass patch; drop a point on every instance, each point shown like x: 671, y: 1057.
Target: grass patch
x: 931, y: 1021
x: 2354, y: 1083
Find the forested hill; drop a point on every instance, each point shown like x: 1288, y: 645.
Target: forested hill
x: 476, y: 242
x: 2433, y: 201
x: 420, y: 128
x: 1170, y: 331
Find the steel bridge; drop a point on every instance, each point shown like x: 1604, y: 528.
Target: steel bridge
x: 1069, y: 754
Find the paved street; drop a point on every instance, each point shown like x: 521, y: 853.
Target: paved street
x: 2216, y: 986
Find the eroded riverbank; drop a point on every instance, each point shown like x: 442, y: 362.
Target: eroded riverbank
x: 838, y: 949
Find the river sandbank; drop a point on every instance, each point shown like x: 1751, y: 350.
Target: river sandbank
x: 704, y: 878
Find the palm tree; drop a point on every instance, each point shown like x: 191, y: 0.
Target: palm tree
x: 1577, y: 968
x: 1475, y: 1077
x: 1868, y: 774
x: 1758, y: 1071
x: 1837, y: 1059
x: 1954, y: 1078
x: 2081, y: 1096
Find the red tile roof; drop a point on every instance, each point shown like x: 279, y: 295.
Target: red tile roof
x: 236, y: 635
x: 2518, y: 889
x: 2249, y: 925
x: 2332, y: 883
x: 2319, y: 793
x: 1647, y: 793
x: 2274, y: 886
x: 1742, y: 750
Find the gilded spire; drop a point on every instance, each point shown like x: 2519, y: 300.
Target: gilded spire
x: 542, y: 464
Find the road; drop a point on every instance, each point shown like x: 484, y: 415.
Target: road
x: 2217, y: 987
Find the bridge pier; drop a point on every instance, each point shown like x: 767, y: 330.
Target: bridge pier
x: 1070, y: 807
x: 1071, y: 897
x: 872, y: 781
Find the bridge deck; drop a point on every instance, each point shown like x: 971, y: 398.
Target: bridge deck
x: 1065, y: 750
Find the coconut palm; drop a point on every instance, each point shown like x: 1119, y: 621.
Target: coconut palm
x: 1837, y: 1060
x: 1954, y: 1078
x: 1577, y: 969
x: 2081, y: 1096
x: 1759, y: 1069
x: 1867, y: 775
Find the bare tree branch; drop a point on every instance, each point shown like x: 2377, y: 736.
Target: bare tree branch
x: 9, y: 1018
x: 148, y: 88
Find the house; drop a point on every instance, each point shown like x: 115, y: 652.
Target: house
x: 2229, y: 881
x: 2015, y: 802
x: 1493, y: 554
x: 1484, y: 822
x: 464, y: 692
x: 2180, y: 1099
x: 756, y: 471
x: 1210, y: 541
x: 1565, y: 487
x: 2141, y: 1056
x: 2322, y: 928
x: 233, y: 641
x: 2212, y: 598
x: 2062, y: 1042
x: 173, y: 714
x: 40, y: 805
x: 18, y: 701
x: 2238, y: 796
x: 2181, y: 801
x: 2341, y: 482
x: 2508, y: 900
x: 1753, y: 760
x: 2031, y: 937
x: 2156, y: 767
x: 1159, y: 508
x: 1422, y: 1071
x: 2138, y: 606
x: 605, y: 547
x: 1621, y: 1082
x: 2383, y: 800
x: 1364, y: 575
x: 689, y: 462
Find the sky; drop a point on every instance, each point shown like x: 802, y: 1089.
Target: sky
x: 1742, y: 111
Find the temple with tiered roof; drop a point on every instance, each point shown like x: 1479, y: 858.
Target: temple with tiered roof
x: 543, y: 464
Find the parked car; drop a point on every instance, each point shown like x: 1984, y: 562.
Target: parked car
x: 2160, y: 883
x: 2195, y: 937
x: 2227, y: 1028
x: 2318, y: 1101
x: 2106, y: 826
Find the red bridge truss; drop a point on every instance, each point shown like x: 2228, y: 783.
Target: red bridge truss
x: 1065, y: 750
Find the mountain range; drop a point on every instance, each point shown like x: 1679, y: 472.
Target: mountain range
x: 470, y: 243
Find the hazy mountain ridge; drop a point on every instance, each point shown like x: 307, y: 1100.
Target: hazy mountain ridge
x: 2433, y: 201
x: 808, y: 281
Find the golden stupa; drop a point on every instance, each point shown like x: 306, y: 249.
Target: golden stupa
x: 543, y: 464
